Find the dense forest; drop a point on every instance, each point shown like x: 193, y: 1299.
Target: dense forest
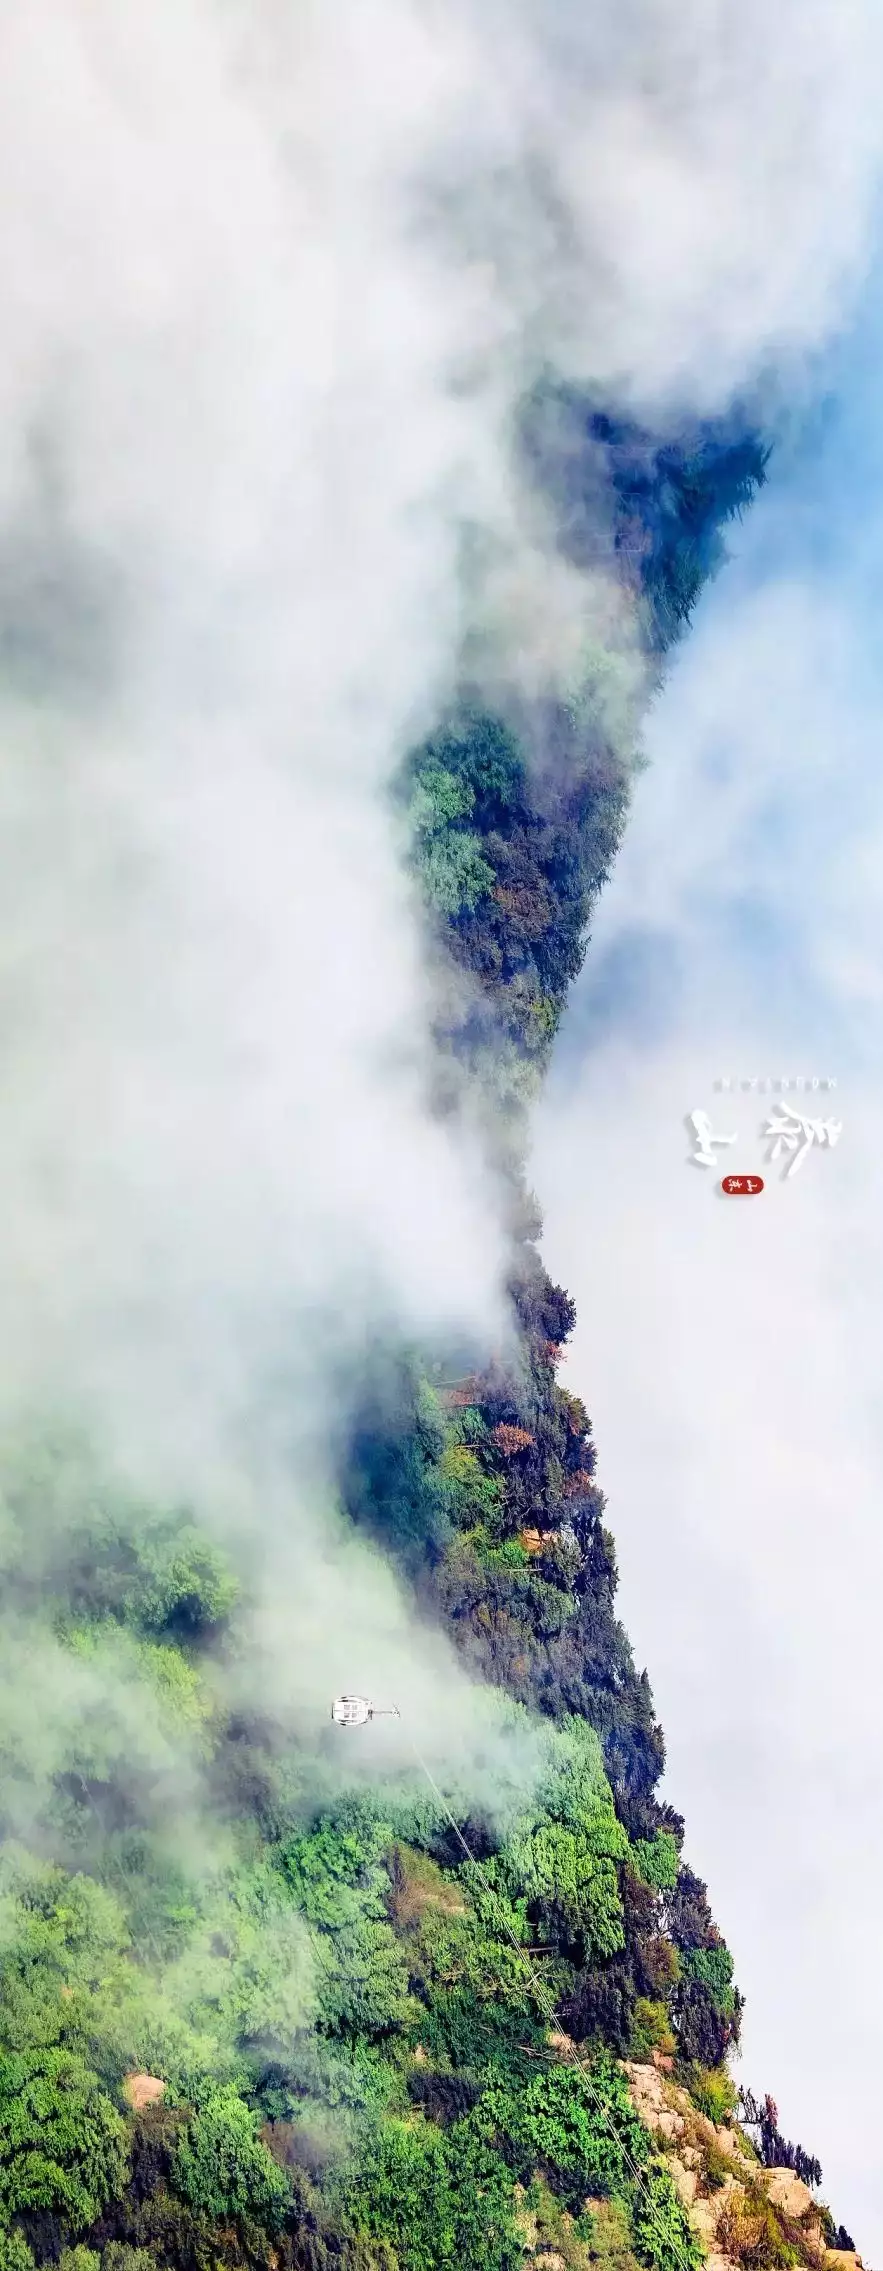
x: 378, y: 2027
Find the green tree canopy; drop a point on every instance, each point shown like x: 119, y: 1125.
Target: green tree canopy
x: 62, y: 2142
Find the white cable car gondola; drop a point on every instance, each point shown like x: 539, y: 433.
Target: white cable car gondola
x: 356, y: 1710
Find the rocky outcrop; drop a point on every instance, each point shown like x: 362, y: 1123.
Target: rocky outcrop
x: 743, y: 2214
x: 788, y: 2192
x: 740, y: 2211
x: 654, y: 2098
x: 141, y: 2090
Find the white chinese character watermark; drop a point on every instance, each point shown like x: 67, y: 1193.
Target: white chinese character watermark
x: 730, y: 1081
x: 793, y: 1133
x: 702, y: 1124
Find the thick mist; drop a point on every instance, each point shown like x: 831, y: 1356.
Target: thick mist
x: 275, y: 282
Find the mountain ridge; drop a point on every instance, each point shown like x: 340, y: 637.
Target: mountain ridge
x: 332, y: 2046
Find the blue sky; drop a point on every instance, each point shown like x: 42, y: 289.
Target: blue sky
x: 819, y: 523
x: 731, y: 1364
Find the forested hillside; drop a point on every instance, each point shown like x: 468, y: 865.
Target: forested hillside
x: 372, y: 2025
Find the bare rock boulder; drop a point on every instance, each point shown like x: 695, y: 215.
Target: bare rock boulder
x: 704, y: 2214
x: 731, y: 2142
x: 788, y: 2192
x: 141, y: 2090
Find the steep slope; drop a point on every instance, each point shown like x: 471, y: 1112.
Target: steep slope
x: 391, y: 2031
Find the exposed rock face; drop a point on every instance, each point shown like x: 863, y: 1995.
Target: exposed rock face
x: 788, y: 2192
x: 143, y: 2089
x: 535, y: 1541
x: 735, y: 2205
x: 726, y: 2192
x: 704, y: 2216
x: 656, y: 2100
x: 685, y: 2181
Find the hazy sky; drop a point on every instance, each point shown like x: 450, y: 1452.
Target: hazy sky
x: 729, y: 1351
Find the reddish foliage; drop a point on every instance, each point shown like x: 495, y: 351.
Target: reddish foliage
x: 529, y: 904
x: 511, y: 1440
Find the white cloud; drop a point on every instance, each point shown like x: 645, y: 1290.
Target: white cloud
x: 702, y: 180
x: 729, y: 1350
x: 272, y: 284
x: 250, y: 384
